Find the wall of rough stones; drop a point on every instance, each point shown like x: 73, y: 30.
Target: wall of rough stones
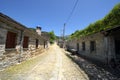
x: 103, y: 48
x: 12, y: 56
x: 2, y: 40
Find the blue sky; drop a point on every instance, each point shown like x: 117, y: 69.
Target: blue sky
x: 52, y: 14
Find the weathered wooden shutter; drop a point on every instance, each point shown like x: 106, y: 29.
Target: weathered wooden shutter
x: 11, y: 40
x: 25, y: 42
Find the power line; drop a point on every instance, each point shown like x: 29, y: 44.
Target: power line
x: 72, y: 11
x: 67, y: 22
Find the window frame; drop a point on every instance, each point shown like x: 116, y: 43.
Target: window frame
x: 92, y: 46
x: 83, y: 46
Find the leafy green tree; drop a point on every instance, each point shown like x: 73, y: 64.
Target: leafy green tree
x: 52, y: 37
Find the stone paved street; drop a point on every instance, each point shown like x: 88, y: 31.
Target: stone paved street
x: 53, y: 65
x: 94, y: 71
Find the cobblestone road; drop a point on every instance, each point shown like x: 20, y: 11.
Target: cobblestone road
x: 54, y: 65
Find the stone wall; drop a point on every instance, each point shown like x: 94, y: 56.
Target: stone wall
x: 72, y: 44
x: 3, y: 33
x: 99, y: 54
x: 11, y: 56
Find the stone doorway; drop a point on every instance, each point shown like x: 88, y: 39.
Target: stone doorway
x: 117, y: 49
x: 77, y: 47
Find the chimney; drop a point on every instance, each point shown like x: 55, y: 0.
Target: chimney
x: 38, y: 30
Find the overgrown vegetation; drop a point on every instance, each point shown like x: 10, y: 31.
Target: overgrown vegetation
x: 52, y: 37
x: 110, y: 20
x: 32, y: 29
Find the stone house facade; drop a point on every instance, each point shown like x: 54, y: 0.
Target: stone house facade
x: 17, y: 42
x: 46, y: 37
x: 103, y: 46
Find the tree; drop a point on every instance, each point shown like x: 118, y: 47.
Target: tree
x: 52, y: 37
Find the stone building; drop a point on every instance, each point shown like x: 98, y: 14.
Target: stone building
x: 103, y: 46
x: 46, y: 37
x: 17, y: 42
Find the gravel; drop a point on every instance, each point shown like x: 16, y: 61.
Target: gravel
x: 51, y: 65
x: 93, y: 71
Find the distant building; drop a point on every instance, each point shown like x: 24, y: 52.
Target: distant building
x: 46, y: 37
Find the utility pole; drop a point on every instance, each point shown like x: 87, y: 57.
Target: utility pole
x: 64, y: 35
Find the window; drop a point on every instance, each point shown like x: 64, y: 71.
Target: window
x: 25, y: 42
x: 11, y: 40
x: 77, y: 46
x: 92, y: 46
x: 83, y: 46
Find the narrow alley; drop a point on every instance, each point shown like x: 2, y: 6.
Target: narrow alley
x: 50, y: 65
x: 60, y: 40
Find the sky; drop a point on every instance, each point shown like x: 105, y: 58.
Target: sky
x: 52, y: 14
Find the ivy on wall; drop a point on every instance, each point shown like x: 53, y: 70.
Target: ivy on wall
x: 109, y: 21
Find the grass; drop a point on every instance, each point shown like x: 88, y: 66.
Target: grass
x: 24, y: 66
